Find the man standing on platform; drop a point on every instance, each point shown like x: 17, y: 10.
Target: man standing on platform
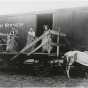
x: 11, y: 42
x: 47, y: 46
x: 30, y: 38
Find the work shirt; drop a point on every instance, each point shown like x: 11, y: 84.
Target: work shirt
x: 11, y: 43
x: 47, y: 46
x: 30, y: 39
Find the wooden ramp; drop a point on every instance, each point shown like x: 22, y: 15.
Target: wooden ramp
x: 33, y: 54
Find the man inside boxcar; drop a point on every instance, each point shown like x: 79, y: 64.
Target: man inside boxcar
x: 47, y: 47
x: 30, y: 38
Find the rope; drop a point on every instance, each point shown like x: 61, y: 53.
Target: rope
x: 3, y: 34
x: 2, y: 44
x: 56, y: 33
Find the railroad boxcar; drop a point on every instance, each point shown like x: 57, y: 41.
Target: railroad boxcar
x: 72, y: 22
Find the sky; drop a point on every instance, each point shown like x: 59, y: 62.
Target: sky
x: 26, y: 6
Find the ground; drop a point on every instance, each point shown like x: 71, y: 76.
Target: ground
x: 9, y: 79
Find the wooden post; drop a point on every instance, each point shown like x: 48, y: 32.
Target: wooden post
x: 58, y: 45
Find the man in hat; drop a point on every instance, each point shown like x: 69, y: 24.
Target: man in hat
x: 30, y: 38
x: 11, y: 42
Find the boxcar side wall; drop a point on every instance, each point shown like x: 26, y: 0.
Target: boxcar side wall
x: 73, y: 22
